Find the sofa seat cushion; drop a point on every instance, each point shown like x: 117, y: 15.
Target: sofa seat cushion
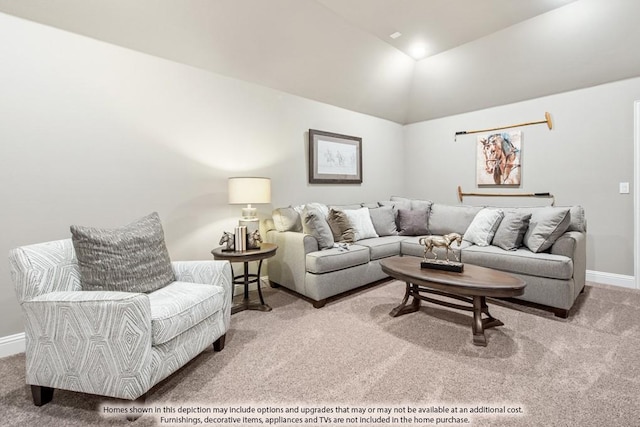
x: 180, y: 306
x: 383, y: 247
x: 411, y: 246
x: 520, y: 261
x: 336, y: 259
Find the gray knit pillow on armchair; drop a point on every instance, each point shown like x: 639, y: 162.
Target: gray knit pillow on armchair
x: 133, y: 258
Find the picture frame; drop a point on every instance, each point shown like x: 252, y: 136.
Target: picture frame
x: 498, y: 159
x: 334, y: 158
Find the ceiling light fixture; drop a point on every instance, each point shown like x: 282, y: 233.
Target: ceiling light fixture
x: 395, y: 35
x: 418, y: 51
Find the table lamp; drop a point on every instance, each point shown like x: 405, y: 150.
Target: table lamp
x: 249, y: 190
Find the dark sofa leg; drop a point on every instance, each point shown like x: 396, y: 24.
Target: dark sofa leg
x: 561, y: 312
x: 319, y: 304
x: 219, y: 344
x: 41, y: 395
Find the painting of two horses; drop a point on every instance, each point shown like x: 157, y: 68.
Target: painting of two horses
x: 498, y: 159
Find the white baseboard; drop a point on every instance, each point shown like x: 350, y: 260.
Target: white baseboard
x: 13, y: 344
x: 611, y: 279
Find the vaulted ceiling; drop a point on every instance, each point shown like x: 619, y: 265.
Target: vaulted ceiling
x: 475, y: 53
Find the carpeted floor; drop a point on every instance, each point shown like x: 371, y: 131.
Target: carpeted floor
x: 351, y: 355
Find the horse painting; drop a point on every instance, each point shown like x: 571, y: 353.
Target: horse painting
x: 445, y: 241
x: 501, y: 158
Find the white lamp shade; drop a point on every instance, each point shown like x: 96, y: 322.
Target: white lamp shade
x: 249, y: 190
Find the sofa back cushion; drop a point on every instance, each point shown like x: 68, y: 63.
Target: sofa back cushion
x: 578, y: 220
x: 396, y: 204
x: 133, y: 258
x: 446, y: 219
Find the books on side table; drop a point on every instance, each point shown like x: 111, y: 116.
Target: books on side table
x: 241, y: 238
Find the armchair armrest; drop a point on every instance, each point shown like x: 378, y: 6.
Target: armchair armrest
x: 92, y: 342
x: 208, y: 272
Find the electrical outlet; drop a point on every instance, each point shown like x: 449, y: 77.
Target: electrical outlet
x: 624, y: 188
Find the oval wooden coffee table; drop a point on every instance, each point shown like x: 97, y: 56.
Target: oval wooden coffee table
x: 472, y: 286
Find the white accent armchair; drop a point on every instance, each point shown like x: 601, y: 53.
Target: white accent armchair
x: 116, y: 344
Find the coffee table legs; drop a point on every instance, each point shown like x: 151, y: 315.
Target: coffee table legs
x: 478, y: 307
x: 480, y: 324
x: 403, y: 308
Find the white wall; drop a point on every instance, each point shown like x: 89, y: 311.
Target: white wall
x: 581, y: 161
x: 94, y: 134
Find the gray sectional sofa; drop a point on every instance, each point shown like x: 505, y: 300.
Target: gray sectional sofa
x: 324, y: 251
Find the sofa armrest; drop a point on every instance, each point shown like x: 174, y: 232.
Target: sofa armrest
x: 92, y: 342
x: 567, y: 244
x: 288, y: 266
x: 573, y: 244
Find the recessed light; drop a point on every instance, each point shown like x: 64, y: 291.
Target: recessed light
x: 418, y: 51
x: 395, y: 35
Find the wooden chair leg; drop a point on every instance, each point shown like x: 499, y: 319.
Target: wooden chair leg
x: 319, y: 304
x: 41, y: 395
x: 219, y: 344
x: 140, y: 401
x: 561, y: 312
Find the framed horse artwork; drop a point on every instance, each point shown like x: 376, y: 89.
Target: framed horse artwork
x: 498, y: 159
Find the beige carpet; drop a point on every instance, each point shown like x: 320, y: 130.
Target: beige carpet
x: 582, y: 371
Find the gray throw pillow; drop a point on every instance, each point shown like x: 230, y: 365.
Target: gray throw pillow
x: 483, y: 227
x: 133, y: 258
x: 545, y: 226
x: 340, y: 226
x: 511, y: 231
x: 412, y: 222
x: 315, y: 224
x: 384, y: 221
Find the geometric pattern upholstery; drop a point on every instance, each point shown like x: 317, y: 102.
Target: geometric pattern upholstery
x: 179, y: 306
x: 100, y: 342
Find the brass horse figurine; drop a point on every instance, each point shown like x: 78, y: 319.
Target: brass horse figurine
x: 445, y: 241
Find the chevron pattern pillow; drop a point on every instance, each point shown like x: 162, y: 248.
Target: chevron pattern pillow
x: 133, y: 258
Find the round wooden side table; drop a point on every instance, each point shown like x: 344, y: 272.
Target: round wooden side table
x: 267, y: 250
